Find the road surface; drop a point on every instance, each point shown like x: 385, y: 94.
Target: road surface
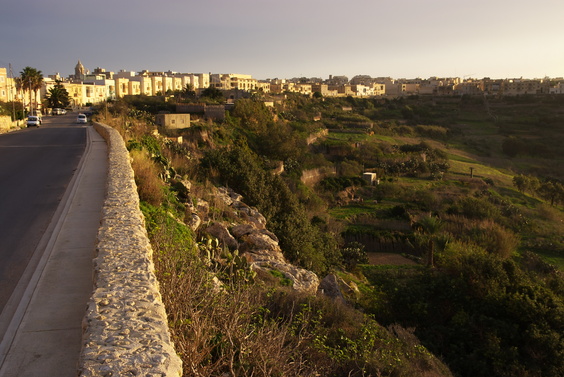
x: 36, y: 165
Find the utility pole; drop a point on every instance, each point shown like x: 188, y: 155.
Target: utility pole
x: 30, y: 101
x: 11, y: 94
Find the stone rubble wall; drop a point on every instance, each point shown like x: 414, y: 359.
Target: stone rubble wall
x: 125, y: 329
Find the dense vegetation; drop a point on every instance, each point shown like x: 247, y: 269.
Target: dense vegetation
x: 13, y: 109
x: 469, y: 188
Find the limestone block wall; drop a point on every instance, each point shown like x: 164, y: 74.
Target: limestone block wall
x: 6, y: 124
x: 125, y: 329
x: 313, y: 176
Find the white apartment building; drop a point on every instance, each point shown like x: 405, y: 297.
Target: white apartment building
x: 229, y: 81
x: 4, y: 87
x: 370, y: 90
x: 153, y: 83
x: 524, y: 86
x: 263, y: 86
x: 558, y: 89
x: 104, y: 88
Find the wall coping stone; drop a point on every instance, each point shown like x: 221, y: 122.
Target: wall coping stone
x: 125, y: 329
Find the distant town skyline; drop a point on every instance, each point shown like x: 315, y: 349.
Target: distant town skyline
x: 273, y: 39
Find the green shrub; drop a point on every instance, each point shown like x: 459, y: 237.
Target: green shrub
x: 336, y: 184
x: 475, y: 208
x: 494, y: 238
x: 484, y: 314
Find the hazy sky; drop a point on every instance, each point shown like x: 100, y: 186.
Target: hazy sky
x: 288, y: 38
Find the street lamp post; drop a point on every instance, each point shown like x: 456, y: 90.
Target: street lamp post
x: 30, y: 101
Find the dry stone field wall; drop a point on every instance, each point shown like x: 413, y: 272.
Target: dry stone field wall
x: 125, y: 330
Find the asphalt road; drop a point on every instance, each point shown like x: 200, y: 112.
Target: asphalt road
x: 36, y: 166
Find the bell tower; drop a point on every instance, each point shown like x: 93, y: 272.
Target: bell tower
x: 79, y: 71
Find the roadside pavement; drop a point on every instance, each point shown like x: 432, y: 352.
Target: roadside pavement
x: 44, y: 336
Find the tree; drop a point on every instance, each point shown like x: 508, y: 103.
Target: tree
x: 430, y: 226
x: 31, y: 79
x: 353, y: 254
x: 188, y: 91
x: 255, y: 116
x: 213, y: 94
x: 58, y: 96
x: 521, y: 182
x: 551, y: 190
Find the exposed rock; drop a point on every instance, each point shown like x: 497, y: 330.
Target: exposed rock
x: 234, y: 196
x: 217, y: 285
x: 329, y: 286
x: 258, y: 241
x: 223, y: 194
x: 202, y: 207
x: 250, y: 214
x: 259, y: 246
x: 336, y: 288
x: 195, y: 213
x: 194, y: 221
x: 263, y: 255
x: 268, y: 233
x: 220, y: 232
x: 303, y: 280
x: 241, y: 230
x: 182, y: 186
x: 185, y: 183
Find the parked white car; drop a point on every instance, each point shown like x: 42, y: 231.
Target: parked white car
x: 33, y: 120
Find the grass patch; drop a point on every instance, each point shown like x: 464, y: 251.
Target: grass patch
x: 388, y: 139
x: 368, y: 268
x: 282, y: 279
x: 346, y: 212
x: 459, y: 167
x: 346, y: 136
x: 457, y: 157
x: 553, y: 257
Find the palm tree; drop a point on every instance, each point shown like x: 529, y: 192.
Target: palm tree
x: 430, y: 226
x: 58, y: 96
x: 19, y: 90
x: 31, y: 79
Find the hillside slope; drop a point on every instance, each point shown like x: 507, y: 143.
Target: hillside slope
x: 475, y: 290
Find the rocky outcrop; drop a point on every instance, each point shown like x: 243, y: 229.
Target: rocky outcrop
x: 256, y: 244
x: 125, y: 330
x: 220, y: 232
x: 303, y: 280
x: 336, y: 288
x: 329, y: 286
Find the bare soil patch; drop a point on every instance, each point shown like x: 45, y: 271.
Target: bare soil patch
x: 389, y: 258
